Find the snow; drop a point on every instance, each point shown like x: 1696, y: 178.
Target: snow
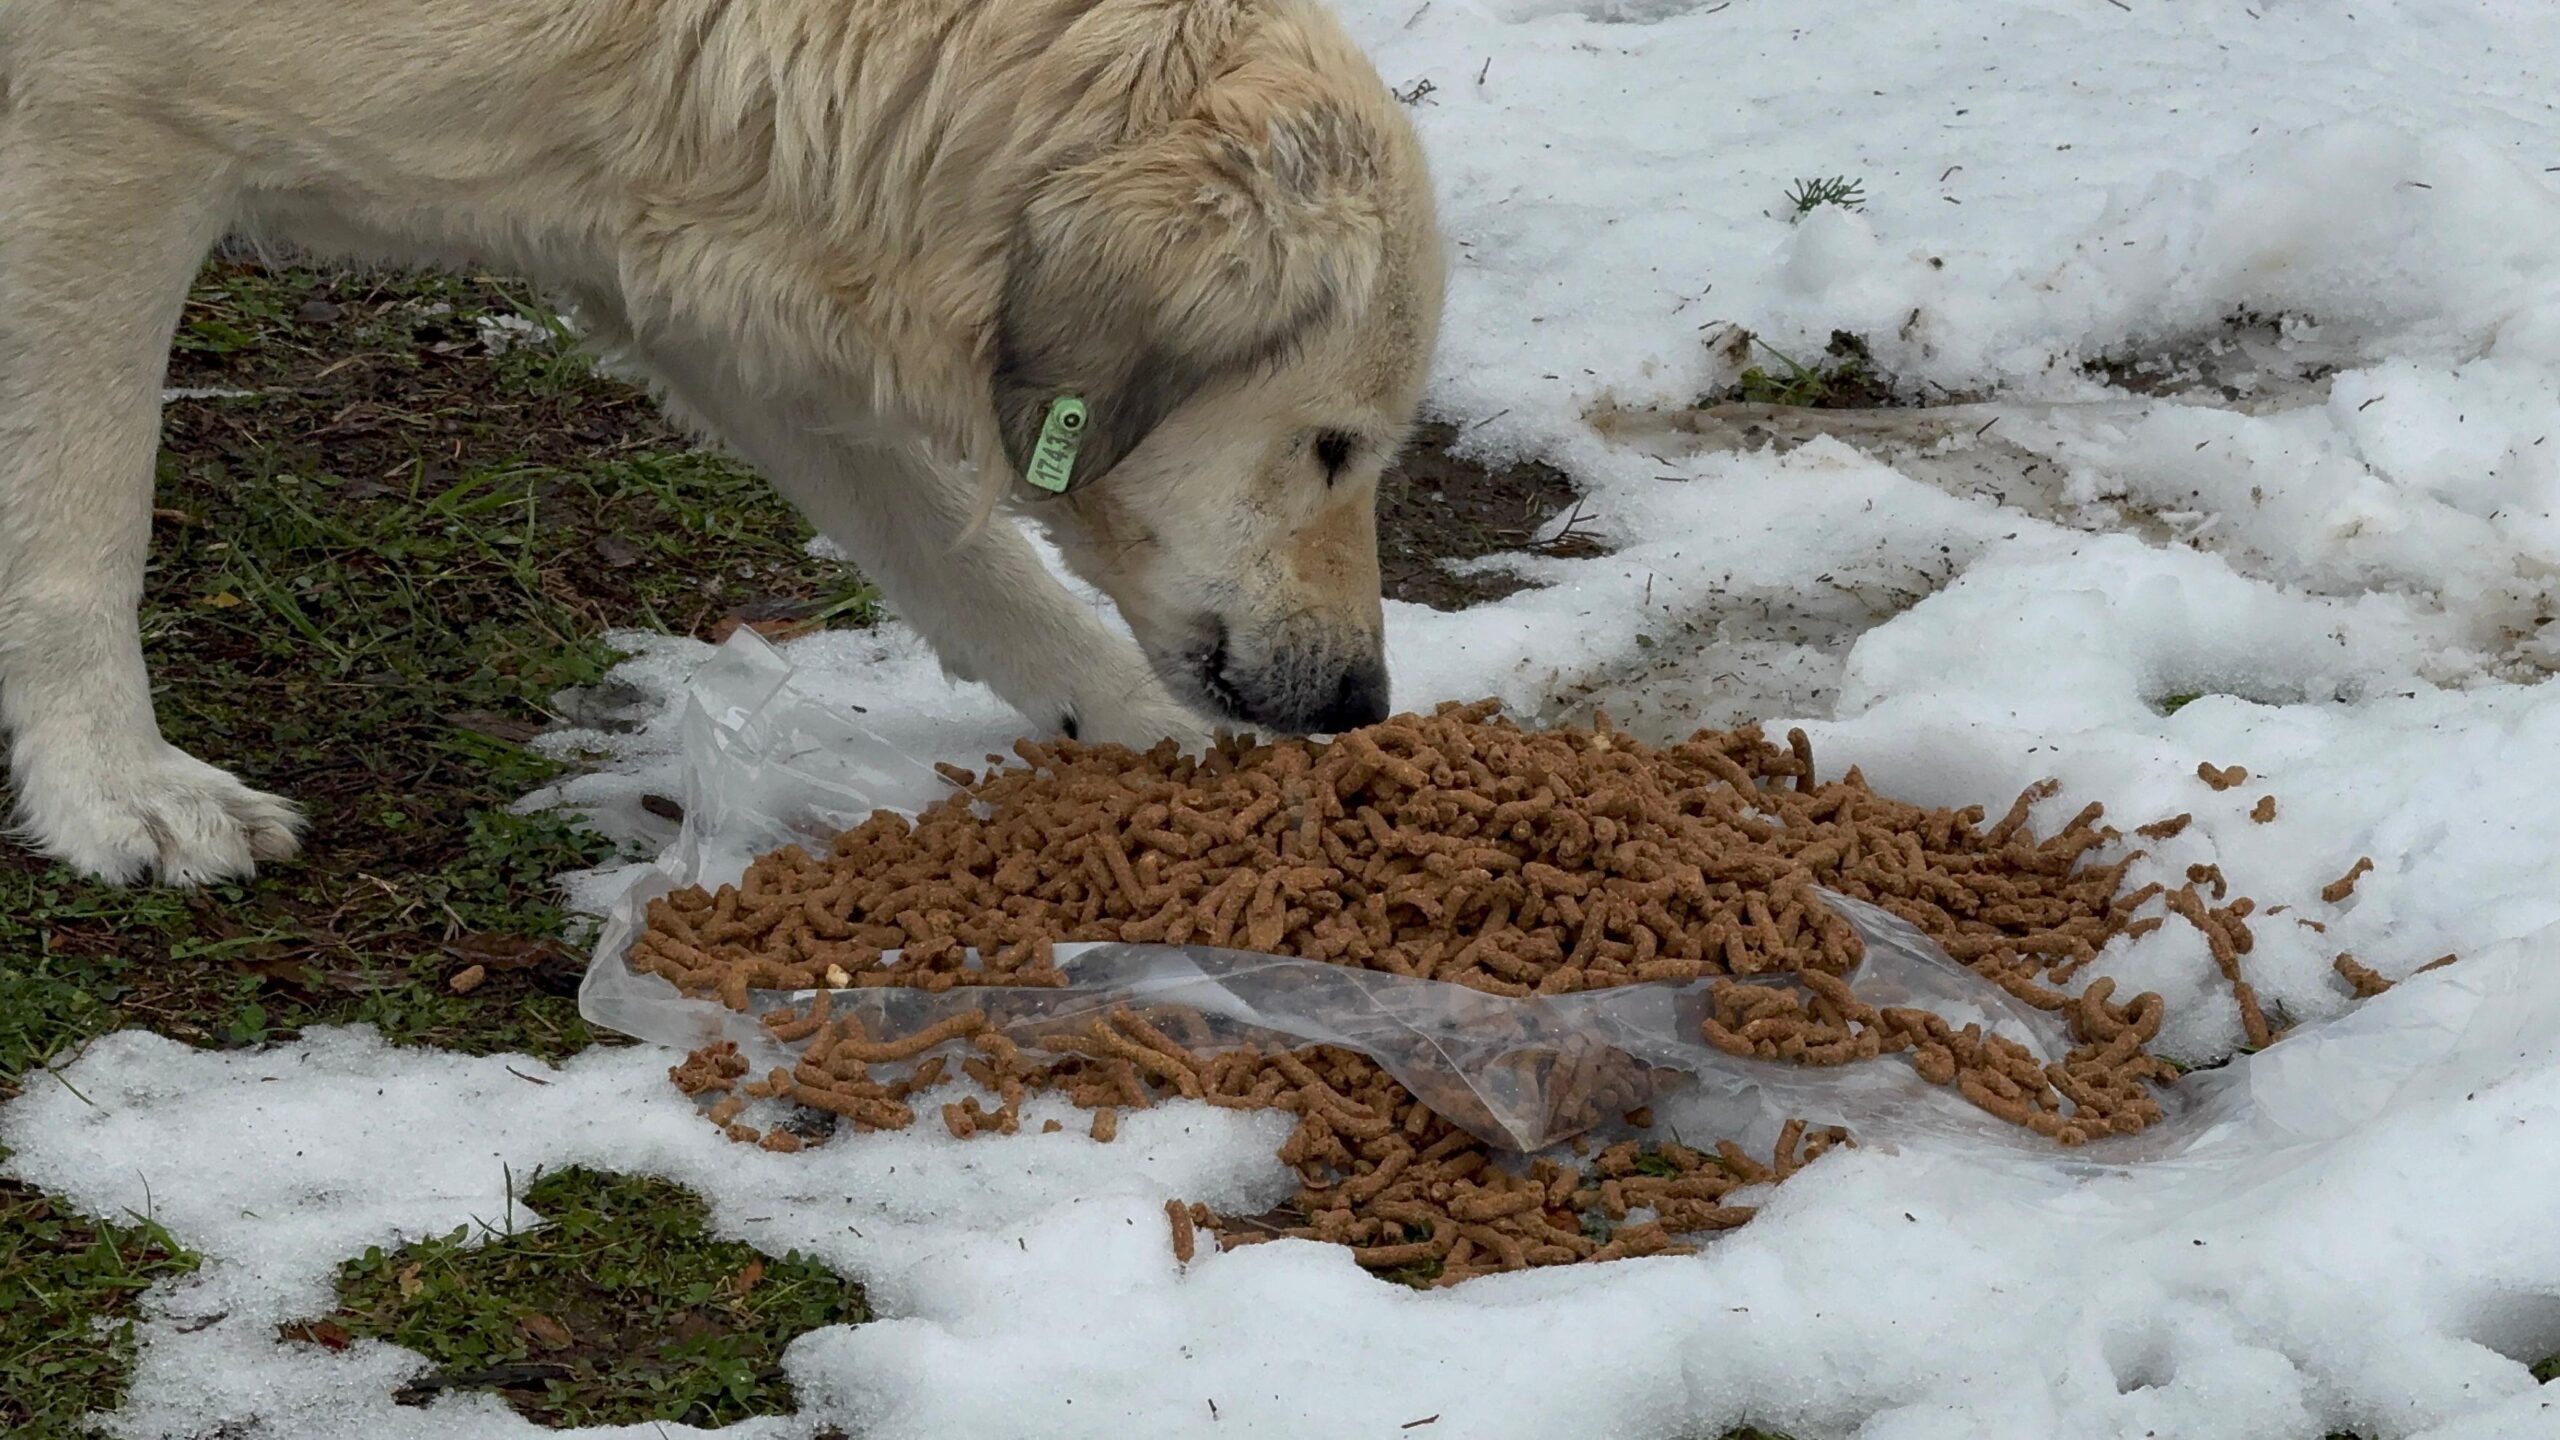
x: 2338, y: 531
x: 1910, y: 1294
x: 502, y: 333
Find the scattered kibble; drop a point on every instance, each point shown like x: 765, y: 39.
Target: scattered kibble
x: 1455, y: 847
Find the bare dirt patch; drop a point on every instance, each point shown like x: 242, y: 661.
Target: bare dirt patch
x: 1435, y: 507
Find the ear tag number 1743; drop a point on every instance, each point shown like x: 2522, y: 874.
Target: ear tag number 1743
x: 1053, y: 458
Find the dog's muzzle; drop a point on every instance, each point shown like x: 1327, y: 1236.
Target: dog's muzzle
x: 1306, y: 693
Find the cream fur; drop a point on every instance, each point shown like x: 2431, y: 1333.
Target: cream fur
x: 861, y: 242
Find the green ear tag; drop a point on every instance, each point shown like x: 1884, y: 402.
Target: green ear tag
x: 1053, y: 459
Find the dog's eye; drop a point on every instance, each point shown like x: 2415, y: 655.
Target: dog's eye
x: 1333, y: 451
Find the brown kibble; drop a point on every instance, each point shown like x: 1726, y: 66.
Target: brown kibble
x: 2265, y: 810
x: 2224, y: 779
x: 1180, y: 1214
x: 709, y: 1069
x: 2216, y: 926
x: 2363, y: 979
x: 467, y: 980
x: 1453, y: 846
x: 2168, y: 829
x: 2345, y: 885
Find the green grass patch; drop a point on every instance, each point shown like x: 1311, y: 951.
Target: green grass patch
x: 1843, y: 377
x: 403, y: 524
x: 1420, y: 1275
x: 618, y: 1308
x: 1651, y: 1161
x: 67, y: 1291
x: 1807, y: 196
x: 403, y: 521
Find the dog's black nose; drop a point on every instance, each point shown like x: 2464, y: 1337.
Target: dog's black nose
x: 1359, y: 698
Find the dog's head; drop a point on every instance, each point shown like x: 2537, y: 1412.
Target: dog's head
x: 1246, y: 305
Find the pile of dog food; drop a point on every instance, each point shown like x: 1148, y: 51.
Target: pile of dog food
x: 1455, y: 847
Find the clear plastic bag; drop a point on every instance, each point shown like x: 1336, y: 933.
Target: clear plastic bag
x: 766, y: 767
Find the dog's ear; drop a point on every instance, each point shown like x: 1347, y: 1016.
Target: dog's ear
x: 1141, y: 277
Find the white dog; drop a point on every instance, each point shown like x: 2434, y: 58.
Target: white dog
x: 910, y: 258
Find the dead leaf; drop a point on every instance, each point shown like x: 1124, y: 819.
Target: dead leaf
x: 548, y: 1333
x: 551, y: 967
x: 328, y: 1333
x: 746, y: 1280
x: 776, y: 631
x: 218, y: 600
x: 410, y: 1284
x: 501, y: 952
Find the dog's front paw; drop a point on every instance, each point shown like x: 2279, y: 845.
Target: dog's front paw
x: 1138, y: 717
x: 170, y: 818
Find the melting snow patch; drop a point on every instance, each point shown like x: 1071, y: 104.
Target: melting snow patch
x: 2231, y: 1294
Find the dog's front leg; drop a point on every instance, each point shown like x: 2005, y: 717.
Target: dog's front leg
x: 990, y: 608
x: 986, y: 603
x: 103, y: 222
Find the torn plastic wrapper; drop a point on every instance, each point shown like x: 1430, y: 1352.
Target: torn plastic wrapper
x: 1521, y: 1074
x: 766, y: 767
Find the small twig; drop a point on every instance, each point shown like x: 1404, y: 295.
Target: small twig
x: 74, y: 1089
